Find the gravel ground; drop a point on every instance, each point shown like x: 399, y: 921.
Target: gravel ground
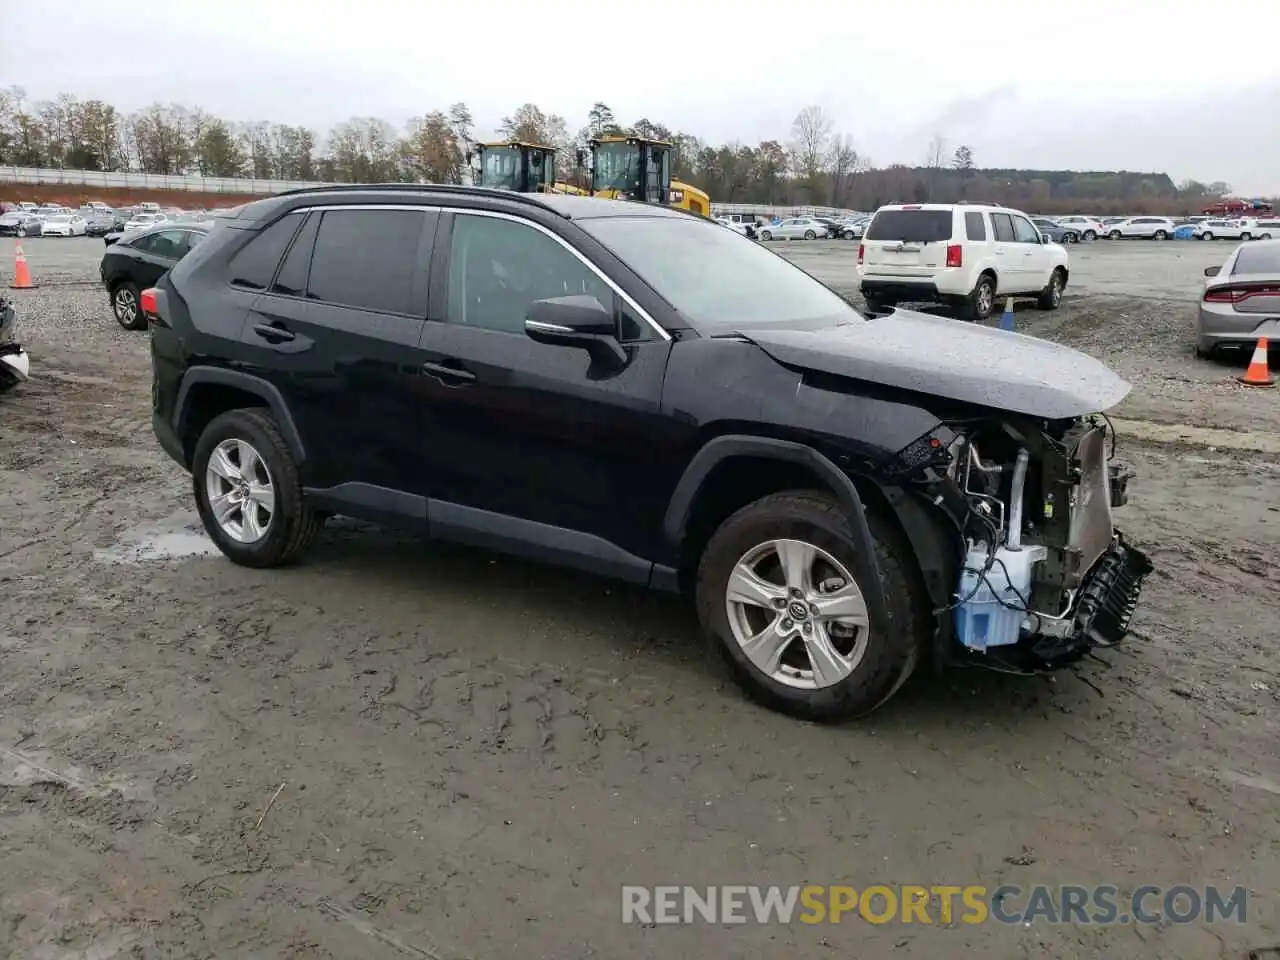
x: 468, y: 755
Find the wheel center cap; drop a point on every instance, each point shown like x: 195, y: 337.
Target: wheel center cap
x: 798, y: 611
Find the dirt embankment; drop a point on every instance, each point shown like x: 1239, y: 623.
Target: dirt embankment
x: 74, y: 195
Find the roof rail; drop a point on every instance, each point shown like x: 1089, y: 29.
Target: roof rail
x: 453, y: 188
x: 978, y: 203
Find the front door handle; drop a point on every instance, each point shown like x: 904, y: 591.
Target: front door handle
x: 448, y: 374
x: 273, y: 334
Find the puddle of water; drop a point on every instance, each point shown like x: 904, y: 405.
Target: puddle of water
x: 177, y: 537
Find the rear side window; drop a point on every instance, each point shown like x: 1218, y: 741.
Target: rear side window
x: 911, y: 226
x: 292, y: 279
x: 975, y: 227
x: 1258, y: 259
x: 255, y: 265
x: 366, y: 258
x: 1002, y: 226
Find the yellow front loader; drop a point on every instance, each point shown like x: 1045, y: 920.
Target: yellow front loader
x: 519, y: 166
x: 638, y: 168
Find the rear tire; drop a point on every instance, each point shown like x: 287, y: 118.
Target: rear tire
x: 1160, y: 235
x: 809, y: 235
x: 766, y: 235
x: 1246, y: 236
x: 878, y: 661
x: 1090, y: 235
x: 847, y: 235
x: 1206, y: 235
x: 290, y: 525
x: 1114, y: 235
x: 1051, y: 296
x: 981, y: 302
x: 875, y: 305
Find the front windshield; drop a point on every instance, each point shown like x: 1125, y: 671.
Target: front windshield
x: 717, y: 278
x: 617, y: 167
x: 499, y: 168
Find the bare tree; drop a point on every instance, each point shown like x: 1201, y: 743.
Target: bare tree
x: 845, y: 165
x: 811, y: 148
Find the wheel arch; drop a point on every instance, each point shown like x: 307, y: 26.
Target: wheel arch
x: 207, y: 392
x: 694, y: 511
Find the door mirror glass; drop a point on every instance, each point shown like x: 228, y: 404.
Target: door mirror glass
x: 1212, y: 271
x: 576, y: 321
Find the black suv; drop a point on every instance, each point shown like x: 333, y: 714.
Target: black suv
x: 640, y: 393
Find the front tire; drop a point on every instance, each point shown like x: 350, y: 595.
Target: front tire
x: 1051, y: 296
x: 847, y: 235
x: 766, y: 235
x: 1115, y: 234
x: 248, y: 491
x: 1160, y: 235
x: 776, y: 590
x: 124, y: 304
x: 1246, y: 237
x: 1206, y: 235
x: 1090, y: 235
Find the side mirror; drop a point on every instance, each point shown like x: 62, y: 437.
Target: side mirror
x: 579, y: 321
x: 1212, y: 271
x: 1044, y: 238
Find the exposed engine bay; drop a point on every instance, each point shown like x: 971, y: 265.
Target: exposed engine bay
x: 1045, y: 577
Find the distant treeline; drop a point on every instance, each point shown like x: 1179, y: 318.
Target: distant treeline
x: 816, y: 164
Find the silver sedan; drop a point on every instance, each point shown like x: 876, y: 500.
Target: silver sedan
x: 794, y: 228
x: 1241, y: 299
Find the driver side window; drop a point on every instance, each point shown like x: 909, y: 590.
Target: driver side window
x: 497, y: 268
x: 1024, y: 231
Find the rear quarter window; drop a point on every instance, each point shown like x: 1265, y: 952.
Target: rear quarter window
x: 975, y: 226
x: 911, y: 226
x: 255, y: 265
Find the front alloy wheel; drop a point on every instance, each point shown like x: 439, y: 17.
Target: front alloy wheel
x: 797, y: 614
x: 240, y: 491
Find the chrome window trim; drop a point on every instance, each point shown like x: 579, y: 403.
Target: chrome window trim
x: 498, y: 215
x: 618, y: 291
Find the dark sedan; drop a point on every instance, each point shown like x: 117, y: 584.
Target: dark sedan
x: 138, y: 259
x: 1055, y: 231
x: 98, y: 223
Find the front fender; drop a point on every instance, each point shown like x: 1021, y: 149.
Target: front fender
x: 720, y: 448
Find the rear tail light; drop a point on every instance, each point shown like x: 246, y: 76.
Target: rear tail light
x: 1236, y: 294
x: 147, y: 301
x: 862, y: 252
x: 955, y: 255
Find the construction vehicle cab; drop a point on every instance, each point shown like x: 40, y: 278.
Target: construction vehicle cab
x: 516, y: 165
x: 637, y: 168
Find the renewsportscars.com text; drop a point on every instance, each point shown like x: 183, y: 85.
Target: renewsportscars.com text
x: 938, y: 904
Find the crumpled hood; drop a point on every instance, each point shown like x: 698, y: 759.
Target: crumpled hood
x: 953, y: 359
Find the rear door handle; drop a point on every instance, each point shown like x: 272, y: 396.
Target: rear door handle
x: 446, y: 373
x: 273, y: 334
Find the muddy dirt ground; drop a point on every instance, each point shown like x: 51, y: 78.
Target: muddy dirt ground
x: 399, y: 749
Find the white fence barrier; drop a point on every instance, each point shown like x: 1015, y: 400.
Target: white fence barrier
x: 93, y: 179
x: 766, y: 210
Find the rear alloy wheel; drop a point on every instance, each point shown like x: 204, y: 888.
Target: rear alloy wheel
x: 1206, y: 235
x: 124, y: 304
x: 766, y: 235
x: 776, y: 590
x: 1051, y: 296
x: 809, y: 235
x: 1160, y: 235
x: 1090, y: 235
x: 982, y: 301
x: 847, y: 235
x: 248, y: 491
x: 1115, y: 234
x: 1246, y: 236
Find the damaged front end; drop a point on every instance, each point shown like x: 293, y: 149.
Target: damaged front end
x: 1045, y: 575
x: 15, y: 365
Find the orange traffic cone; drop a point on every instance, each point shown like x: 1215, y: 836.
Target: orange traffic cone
x: 21, y: 275
x: 1259, y: 373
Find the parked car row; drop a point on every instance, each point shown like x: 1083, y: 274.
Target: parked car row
x: 94, y: 219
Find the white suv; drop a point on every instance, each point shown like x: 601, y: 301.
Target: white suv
x: 1142, y: 228
x: 1086, y: 228
x: 963, y: 255
x: 1259, y: 228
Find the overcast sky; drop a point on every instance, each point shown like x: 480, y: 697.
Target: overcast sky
x: 1079, y: 84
